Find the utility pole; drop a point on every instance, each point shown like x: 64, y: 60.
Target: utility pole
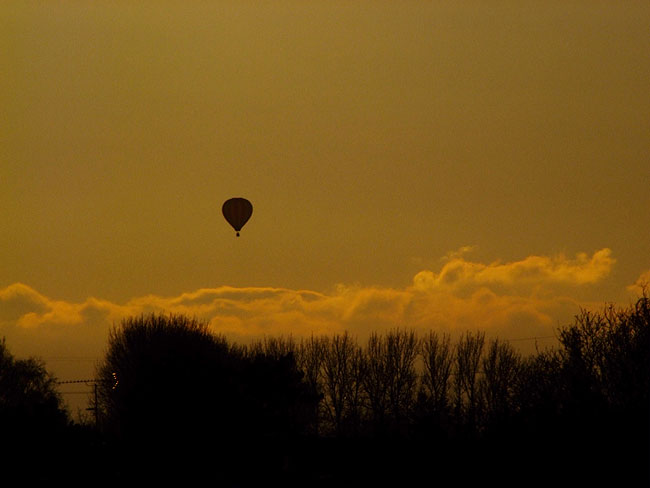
x: 94, y: 407
x: 95, y: 383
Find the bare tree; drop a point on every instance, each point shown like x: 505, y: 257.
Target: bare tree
x: 342, y: 382
x: 310, y: 358
x: 468, y: 360
x: 501, y: 366
x: 375, y: 378
x: 401, y: 352
x: 390, y: 378
x: 438, y: 360
x: 274, y: 347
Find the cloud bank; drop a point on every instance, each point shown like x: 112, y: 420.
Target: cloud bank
x: 512, y: 300
x: 459, y: 275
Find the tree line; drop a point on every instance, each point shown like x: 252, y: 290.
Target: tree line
x: 175, y: 399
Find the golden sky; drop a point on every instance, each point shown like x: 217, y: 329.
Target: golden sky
x: 443, y: 165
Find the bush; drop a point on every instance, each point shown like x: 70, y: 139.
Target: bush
x: 185, y: 401
x: 33, y: 421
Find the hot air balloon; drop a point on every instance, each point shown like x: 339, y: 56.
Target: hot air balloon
x: 237, y: 211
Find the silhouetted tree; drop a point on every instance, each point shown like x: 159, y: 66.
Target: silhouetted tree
x: 341, y: 383
x: 401, y: 349
x: 578, y: 401
x: 433, y: 404
x: 580, y: 410
x: 174, y: 391
x: 438, y: 362
x: 375, y: 380
x: 605, y: 387
x: 287, y: 399
x: 607, y: 352
x: 468, y: 360
x: 33, y: 420
x: 310, y: 357
x: 273, y: 347
x: 500, y: 366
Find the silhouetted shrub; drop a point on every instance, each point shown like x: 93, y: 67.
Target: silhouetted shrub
x: 185, y: 401
x: 33, y: 421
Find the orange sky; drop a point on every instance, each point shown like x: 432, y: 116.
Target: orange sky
x: 437, y: 165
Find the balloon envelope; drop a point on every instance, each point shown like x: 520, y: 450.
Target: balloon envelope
x: 237, y: 211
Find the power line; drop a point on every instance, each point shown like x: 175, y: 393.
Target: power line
x: 92, y: 383
x: 530, y: 338
x: 76, y: 381
x: 80, y: 359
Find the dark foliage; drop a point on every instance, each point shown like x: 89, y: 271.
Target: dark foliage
x: 33, y: 421
x: 175, y: 400
x: 178, y: 399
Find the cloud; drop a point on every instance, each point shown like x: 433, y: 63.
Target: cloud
x: 534, y: 272
x: 641, y: 285
x: 511, y: 300
x: 18, y: 300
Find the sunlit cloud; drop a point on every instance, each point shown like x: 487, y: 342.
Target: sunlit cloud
x: 512, y: 300
x: 641, y: 285
x: 459, y: 275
